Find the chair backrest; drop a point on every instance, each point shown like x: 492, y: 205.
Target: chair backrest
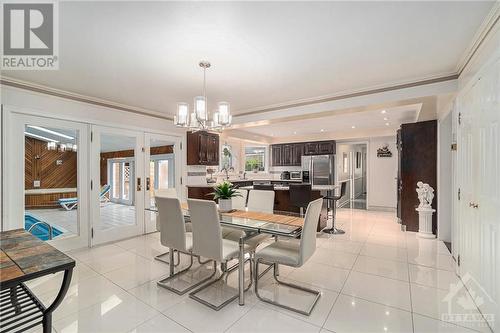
x: 166, y: 192
x: 240, y: 202
x: 308, y: 236
x: 263, y: 187
x: 343, y: 187
x: 171, y: 223
x: 261, y: 201
x: 207, y: 232
x: 300, y: 195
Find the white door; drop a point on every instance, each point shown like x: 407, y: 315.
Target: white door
x: 117, y: 185
x: 163, y: 171
x: 48, y: 182
x: 479, y: 181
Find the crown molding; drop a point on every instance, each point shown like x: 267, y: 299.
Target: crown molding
x: 37, y: 88
x: 488, y: 24
x: 350, y: 94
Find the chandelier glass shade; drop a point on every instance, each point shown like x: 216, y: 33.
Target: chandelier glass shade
x: 199, y: 118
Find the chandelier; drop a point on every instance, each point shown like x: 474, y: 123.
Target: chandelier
x: 199, y: 118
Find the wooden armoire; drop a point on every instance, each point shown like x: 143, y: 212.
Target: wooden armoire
x: 417, y: 155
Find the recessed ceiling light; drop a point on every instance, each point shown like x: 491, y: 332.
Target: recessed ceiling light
x: 386, y: 124
x: 294, y: 132
x: 40, y: 137
x: 383, y: 112
x: 353, y: 126
x: 322, y: 130
x: 385, y: 118
x: 43, y: 129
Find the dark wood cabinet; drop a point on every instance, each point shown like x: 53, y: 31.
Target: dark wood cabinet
x: 276, y: 153
x: 297, y: 152
x: 417, y: 154
x: 202, y: 148
x: 290, y: 154
x: 286, y: 155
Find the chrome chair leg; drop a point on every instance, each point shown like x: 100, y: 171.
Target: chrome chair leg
x: 165, y: 261
x: 164, y: 283
x: 223, y: 276
x: 291, y: 285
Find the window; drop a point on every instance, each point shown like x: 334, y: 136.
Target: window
x: 255, y: 158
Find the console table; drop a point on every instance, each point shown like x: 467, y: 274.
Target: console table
x: 24, y: 257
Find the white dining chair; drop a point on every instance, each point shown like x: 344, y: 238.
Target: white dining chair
x: 174, y: 236
x: 167, y: 193
x: 293, y: 253
x: 240, y: 201
x: 261, y: 201
x: 208, y: 243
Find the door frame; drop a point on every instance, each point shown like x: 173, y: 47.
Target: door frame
x: 97, y: 236
x: 14, y: 204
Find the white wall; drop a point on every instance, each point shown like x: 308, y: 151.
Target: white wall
x: 382, y: 173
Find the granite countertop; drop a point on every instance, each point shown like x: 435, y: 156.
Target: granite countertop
x: 286, y: 188
x: 249, y: 180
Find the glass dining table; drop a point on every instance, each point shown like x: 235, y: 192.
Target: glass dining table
x: 253, y: 223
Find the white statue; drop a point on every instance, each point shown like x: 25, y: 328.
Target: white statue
x: 425, y: 195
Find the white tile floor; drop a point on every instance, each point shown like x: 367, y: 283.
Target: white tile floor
x: 373, y: 279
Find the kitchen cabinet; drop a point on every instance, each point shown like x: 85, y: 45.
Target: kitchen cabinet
x: 290, y: 154
x: 276, y: 152
x: 202, y: 148
x: 319, y: 148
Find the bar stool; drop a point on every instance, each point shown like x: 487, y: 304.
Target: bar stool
x: 300, y: 196
x: 334, y: 199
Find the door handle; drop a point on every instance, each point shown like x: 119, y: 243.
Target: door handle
x: 139, y: 186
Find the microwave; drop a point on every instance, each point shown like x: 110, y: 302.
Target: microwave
x: 297, y: 175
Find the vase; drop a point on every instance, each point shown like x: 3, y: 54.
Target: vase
x: 225, y: 205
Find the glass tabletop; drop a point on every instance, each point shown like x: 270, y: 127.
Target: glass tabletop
x: 251, y: 224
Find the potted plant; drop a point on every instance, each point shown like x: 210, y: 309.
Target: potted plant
x: 224, y: 192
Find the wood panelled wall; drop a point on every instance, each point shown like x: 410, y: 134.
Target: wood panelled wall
x: 127, y: 153
x: 40, y: 164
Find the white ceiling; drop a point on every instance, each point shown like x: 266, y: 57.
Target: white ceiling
x: 362, y: 122
x: 263, y: 53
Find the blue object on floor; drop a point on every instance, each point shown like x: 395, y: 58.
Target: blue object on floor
x: 40, y: 230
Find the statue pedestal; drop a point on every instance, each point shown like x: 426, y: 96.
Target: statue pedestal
x: 425, y: 222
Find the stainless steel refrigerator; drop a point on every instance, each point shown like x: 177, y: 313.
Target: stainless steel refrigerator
x: 320, y: 168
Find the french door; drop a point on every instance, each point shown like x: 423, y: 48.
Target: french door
x: 479, y: 183
x: 162, y: 165
x: 48, y: 179
x: 117, y: 170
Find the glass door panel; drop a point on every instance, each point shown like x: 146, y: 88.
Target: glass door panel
x: 161, y: 176
x: 53, y: 182
x: 116, y: 184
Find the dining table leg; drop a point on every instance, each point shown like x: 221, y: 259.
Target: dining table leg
x: 241, y: 272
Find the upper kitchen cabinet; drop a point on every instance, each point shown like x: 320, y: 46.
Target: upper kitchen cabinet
x: 290, y: 154
x: 319, y: 148
x: 276, y: 153
x: 202, y: 148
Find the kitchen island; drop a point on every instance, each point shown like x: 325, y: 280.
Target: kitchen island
x: 281, y: 198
